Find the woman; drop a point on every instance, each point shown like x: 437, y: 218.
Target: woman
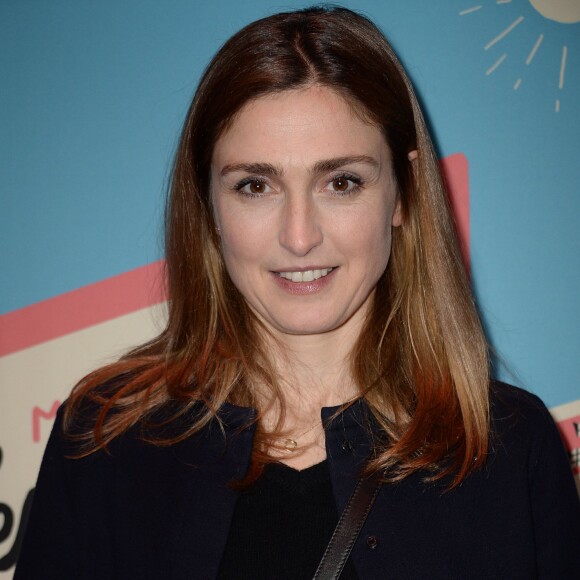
x: 320, y: 329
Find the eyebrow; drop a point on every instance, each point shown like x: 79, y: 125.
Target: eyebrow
x: 337, y: 162
x: 259, y: 168
x: 319, y: 166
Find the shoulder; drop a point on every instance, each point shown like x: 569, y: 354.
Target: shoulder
x: 523, y: 431
x: 512, y: 406
x: 167, y: 436
x: 517, y: 411
x: 527, y: 448
x: 507, y: 396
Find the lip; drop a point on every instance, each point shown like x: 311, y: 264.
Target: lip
x: 302, y: 268
x: 304, y: 288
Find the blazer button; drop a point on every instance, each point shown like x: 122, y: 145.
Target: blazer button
x: 372, y: 542
x: 347, y: 445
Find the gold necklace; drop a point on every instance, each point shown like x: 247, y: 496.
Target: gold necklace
x: 290, y: 444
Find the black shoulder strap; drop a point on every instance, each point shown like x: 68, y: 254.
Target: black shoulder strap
x: 348, y: 528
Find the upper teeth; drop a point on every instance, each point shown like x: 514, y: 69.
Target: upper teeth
x: 307, y: 276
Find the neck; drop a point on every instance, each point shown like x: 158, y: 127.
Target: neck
x: 314, y: 372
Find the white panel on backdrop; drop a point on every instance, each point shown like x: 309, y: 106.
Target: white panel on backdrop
x: 33, y: 380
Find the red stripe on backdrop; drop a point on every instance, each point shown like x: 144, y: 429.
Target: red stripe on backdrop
x: 456, y: 173
x: 81, y: 308
x: 144, y: 286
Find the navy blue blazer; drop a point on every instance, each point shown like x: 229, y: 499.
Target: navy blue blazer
x: 144, y: 512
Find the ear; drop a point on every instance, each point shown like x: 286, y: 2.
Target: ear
x: 397, y: 218
x: 413, y: 157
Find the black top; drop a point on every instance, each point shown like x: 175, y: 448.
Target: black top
x: 281, y: 526
x: 139, y: 511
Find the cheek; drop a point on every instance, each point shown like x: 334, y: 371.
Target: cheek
x: 234, y: 248
x: 246, y: 231
x: 368, y: 236
x: 230, y: 230
x: 378, y: 250
x: 242, y: 246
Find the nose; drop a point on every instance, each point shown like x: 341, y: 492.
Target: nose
x: 300, y: 230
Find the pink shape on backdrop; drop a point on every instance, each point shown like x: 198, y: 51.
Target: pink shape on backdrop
x: 143, y: 286
x: 455, y: 170
x: 81, y: 308
x: 38, y: 414
x: 570, y: 431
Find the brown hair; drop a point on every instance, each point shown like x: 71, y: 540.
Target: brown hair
x: 420, y: 362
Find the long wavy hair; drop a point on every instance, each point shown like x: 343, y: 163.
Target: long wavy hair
x: 421, y: 361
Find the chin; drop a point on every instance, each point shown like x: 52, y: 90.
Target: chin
x: 296, y: 326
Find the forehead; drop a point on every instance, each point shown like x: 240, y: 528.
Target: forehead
x: 304, y: 121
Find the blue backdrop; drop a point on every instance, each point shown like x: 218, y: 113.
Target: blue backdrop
x: 93, y: 95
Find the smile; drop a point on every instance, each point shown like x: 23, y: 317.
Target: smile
x: 306, y: 276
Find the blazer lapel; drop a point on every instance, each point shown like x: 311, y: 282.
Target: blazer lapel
x: 209, y: 463
x: 173, y: 504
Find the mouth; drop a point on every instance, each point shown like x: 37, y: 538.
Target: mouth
x: 305, y: 275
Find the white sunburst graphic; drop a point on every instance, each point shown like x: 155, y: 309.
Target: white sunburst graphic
x: 561, y: 11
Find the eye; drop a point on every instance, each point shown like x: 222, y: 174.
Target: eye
x: 345, y: 184
x: 340, y: 183
x: 252, y: 187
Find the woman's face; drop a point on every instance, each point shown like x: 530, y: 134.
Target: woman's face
x: 304, y: 199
